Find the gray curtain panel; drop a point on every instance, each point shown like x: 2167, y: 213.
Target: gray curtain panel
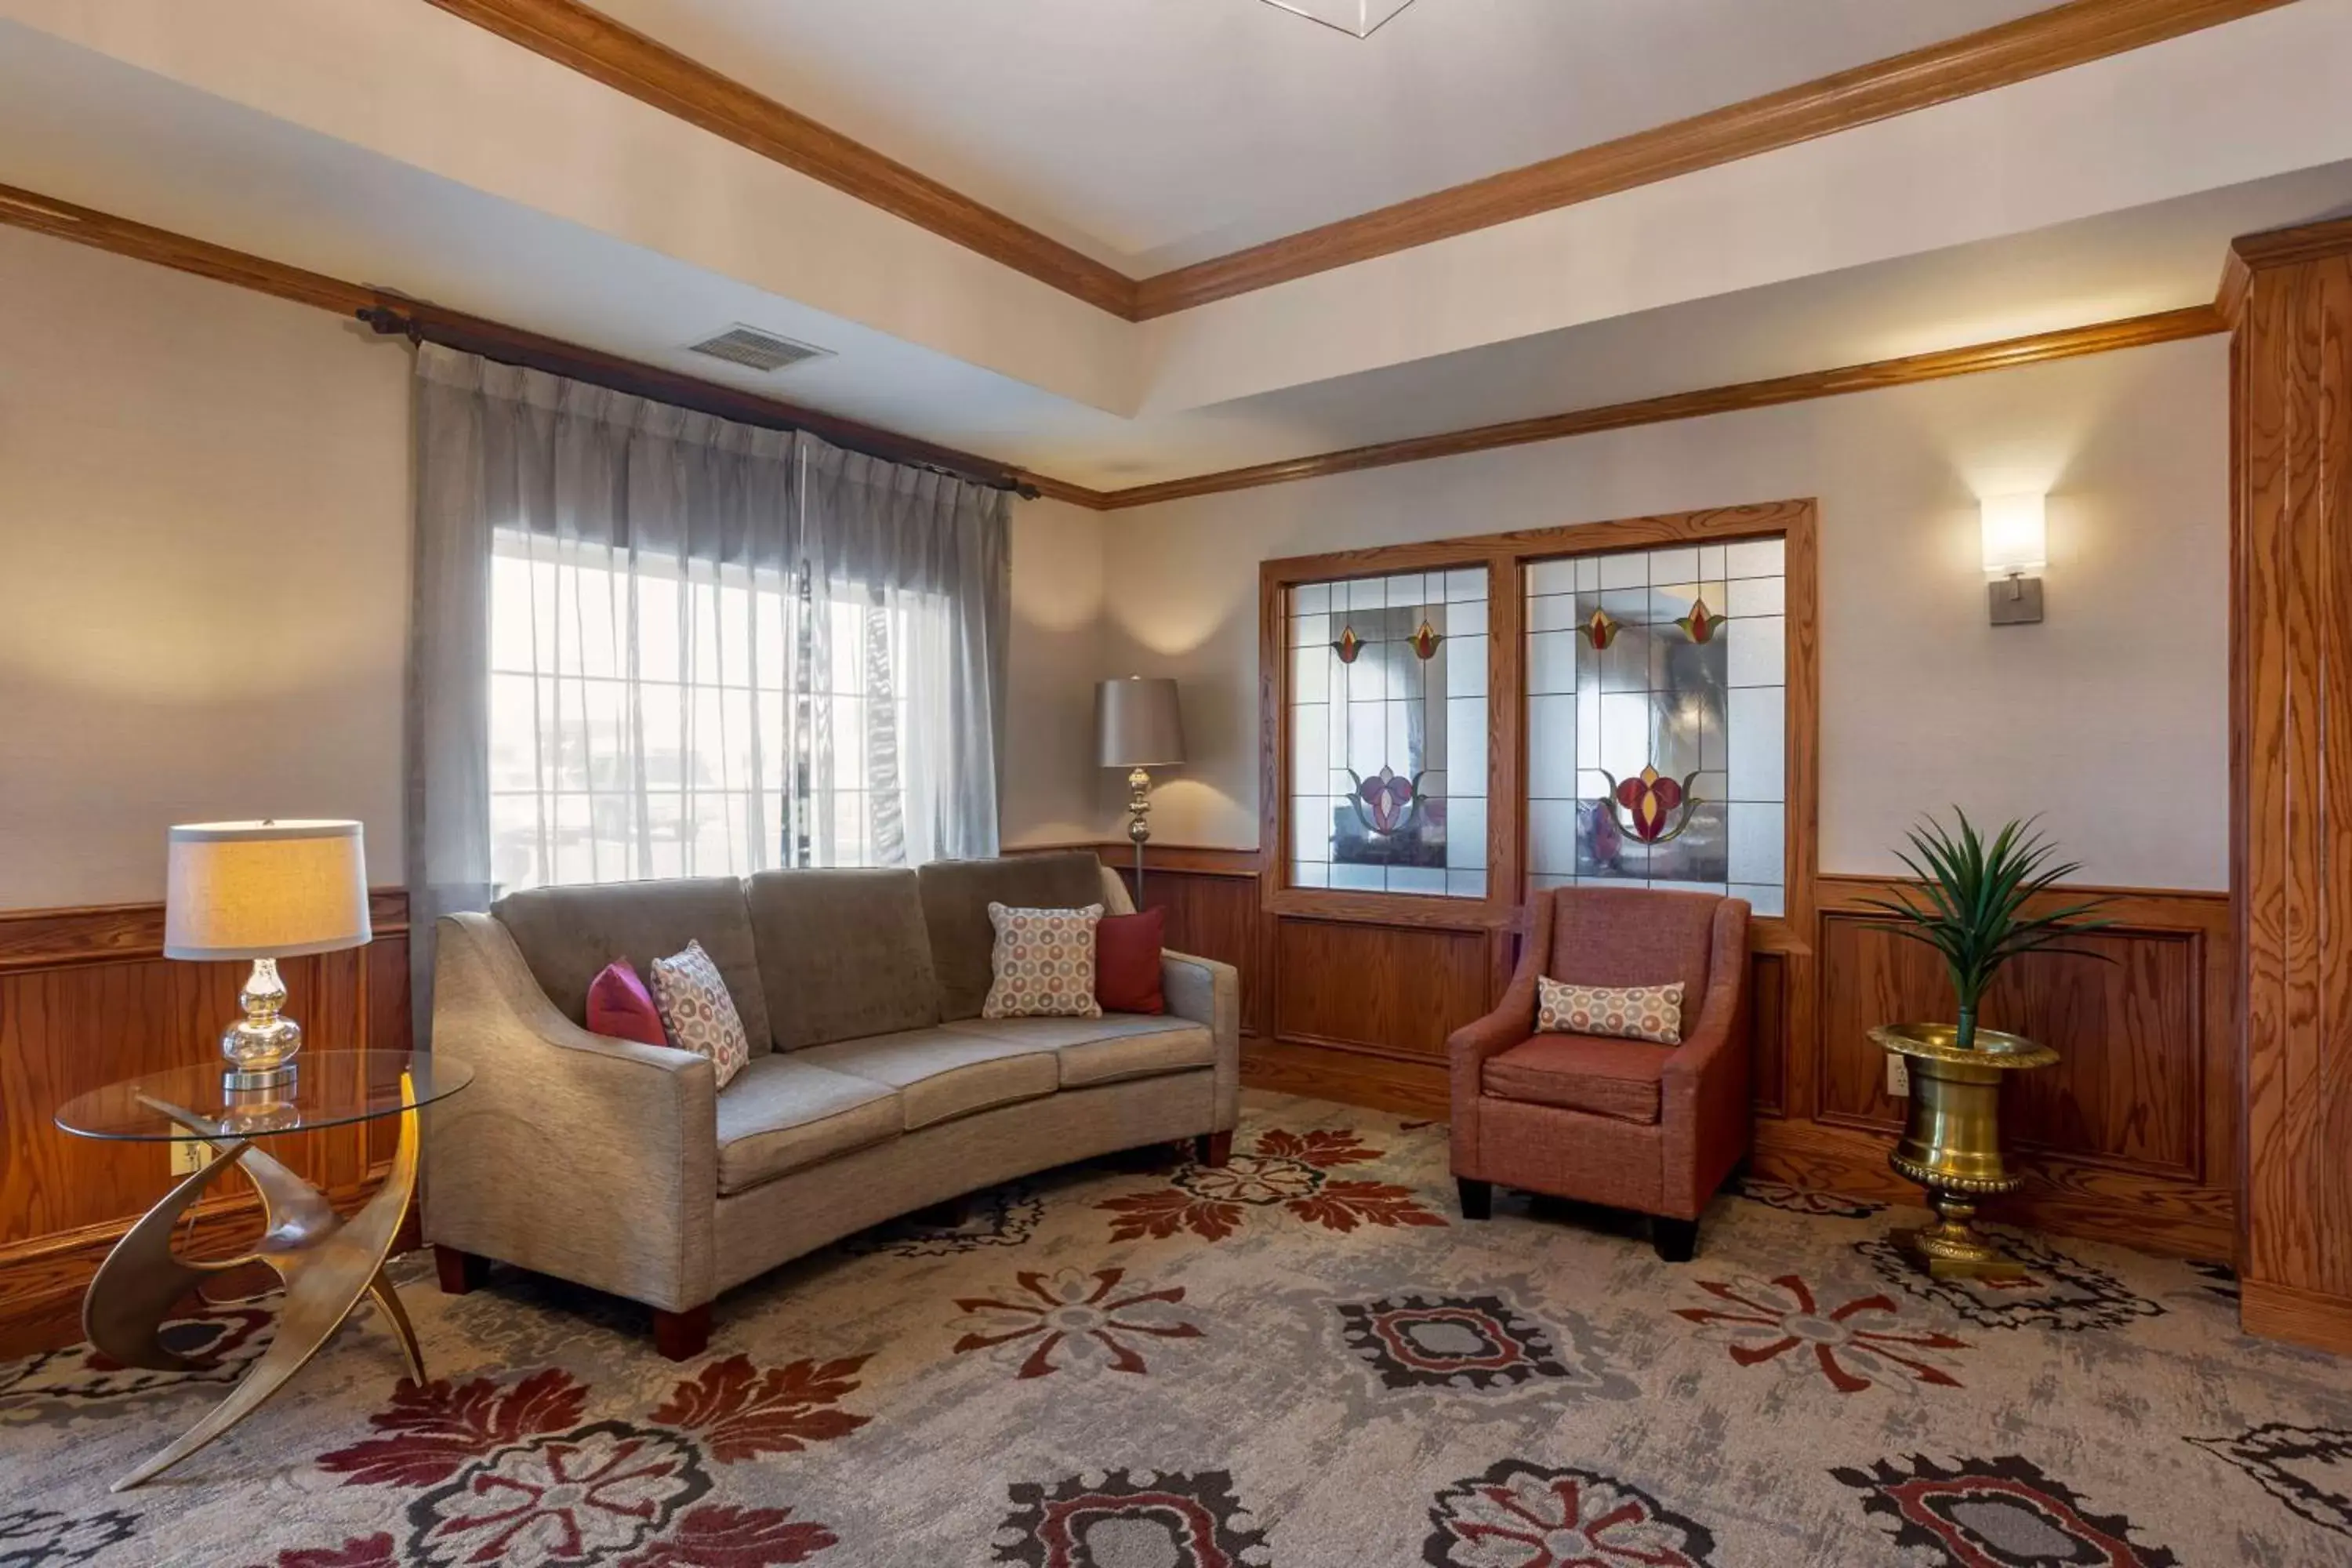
x: 650, y: 642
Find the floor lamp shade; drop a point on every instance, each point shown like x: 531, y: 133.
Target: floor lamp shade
x: 264, y: 889
x: 1138, y: 724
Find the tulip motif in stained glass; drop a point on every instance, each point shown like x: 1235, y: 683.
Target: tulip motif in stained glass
x: 1349, y: 646
x: 1386, y: 802
x: 1702, y: 624
x: 1600, y: 629
x: 1651, y: 808
x: 1424, y: 642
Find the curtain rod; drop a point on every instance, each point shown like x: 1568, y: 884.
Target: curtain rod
x: 508, y: 346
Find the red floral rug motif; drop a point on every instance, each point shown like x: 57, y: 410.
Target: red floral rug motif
x: 508, y: 1474
x: 1290, y: 1170
x: 1855, y: 1344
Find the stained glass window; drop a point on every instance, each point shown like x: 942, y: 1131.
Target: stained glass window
x: 1656, y: 719
x: 1388, y: 734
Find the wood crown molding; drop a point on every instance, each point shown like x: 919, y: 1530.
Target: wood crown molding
x: 2163, y: 327
x: 627, y: 60
x: 576, y: 36
x: 84, y: 226
x: 2253, y: 253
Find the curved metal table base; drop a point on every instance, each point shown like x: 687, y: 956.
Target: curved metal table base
x: 328, y: 1264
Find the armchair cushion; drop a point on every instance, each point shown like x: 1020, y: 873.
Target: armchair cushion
x: 784, y: 1113
x: 1617, y: 1079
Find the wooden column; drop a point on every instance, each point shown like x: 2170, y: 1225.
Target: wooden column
x: 2291, y: 296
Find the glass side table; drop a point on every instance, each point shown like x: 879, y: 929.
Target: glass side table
x: 329, y: 1264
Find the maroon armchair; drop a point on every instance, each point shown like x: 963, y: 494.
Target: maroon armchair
x: 1625, y: 1123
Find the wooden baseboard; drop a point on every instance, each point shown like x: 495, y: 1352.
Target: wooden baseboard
x: 2290, y: 1312
x: 2063, y: 1196
x: 1350, y: 1078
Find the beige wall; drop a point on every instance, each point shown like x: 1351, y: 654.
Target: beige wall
x: 1050, y: 776
x: 2110, y: 717
x: 204, y: 581
x: 204, y: 569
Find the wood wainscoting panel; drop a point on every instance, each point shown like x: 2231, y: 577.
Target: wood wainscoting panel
x: 1388, y: 991
x: 86, y: 998
x: 2290, y: 762
x: 2122, y: 1014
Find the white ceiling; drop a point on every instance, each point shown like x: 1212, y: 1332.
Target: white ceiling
x: 1153, y: 133
x: 162, y: 143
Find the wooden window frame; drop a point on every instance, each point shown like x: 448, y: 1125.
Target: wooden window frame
x: 1506, y: 557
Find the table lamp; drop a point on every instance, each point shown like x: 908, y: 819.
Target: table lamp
x: 1141, y: 730
x: 264, y: 890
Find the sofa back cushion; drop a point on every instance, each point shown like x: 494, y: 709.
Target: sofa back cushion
x: 956, y: 896
x: 842, y: 954
x: 568, y: 935
x: 1634, y: 936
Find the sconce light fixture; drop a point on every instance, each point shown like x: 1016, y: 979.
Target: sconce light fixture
x: 2016, y: 541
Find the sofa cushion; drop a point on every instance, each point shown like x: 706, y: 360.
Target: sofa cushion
x: 620, y: 1007
x: 1616, y: 1079
x: 698, y: 1014
x: 941, y: 1074
x: 956, y: 894
x: 1127, y: 962
x: 784, y: 1114
x: 1044, y: 963
x: 567, y: 935
x: 1106, y: 1049
x: 843, y: 954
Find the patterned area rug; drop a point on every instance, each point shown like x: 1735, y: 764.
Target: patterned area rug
x: 1305, y: 1359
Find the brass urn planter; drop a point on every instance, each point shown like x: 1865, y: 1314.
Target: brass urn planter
x: 1951, y: 1140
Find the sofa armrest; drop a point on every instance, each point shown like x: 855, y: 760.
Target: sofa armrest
x: 1703, y: 1093
x: 1210, y: 993
x: 571, y: 1153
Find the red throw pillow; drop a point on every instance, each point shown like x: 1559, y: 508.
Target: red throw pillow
x: 1127, y: 962
x: 620, y: 1005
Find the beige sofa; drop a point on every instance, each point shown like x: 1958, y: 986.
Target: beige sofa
x: 875, y: 1087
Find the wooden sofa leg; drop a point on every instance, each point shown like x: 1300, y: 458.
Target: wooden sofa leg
x: 460, y: 1272
x: 1676, y: 1240
x: 682, y: 1336
x: 1478, y: 1198
x: 1215, y: 1147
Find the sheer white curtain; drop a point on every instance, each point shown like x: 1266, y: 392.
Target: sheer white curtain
x: 648, y: 642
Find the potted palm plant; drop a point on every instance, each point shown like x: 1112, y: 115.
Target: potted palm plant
x: 1972, y: 908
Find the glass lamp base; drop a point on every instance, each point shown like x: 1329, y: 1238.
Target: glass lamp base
x: 260, y: 1047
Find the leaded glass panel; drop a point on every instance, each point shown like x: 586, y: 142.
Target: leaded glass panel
x: 1388, y: 734
x: 1656, y: 692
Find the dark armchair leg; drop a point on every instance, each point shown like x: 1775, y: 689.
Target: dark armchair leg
x: 460, y: 1271
x: 1478, y: 1198
x: 1216, y: 1148
x: 1676, y: 1240
x: 682, y: 1336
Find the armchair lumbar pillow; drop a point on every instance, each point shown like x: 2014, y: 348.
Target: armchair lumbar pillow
x: 1653, y: 1012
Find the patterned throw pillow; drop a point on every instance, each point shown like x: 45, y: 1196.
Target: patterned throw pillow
x: 1622, y: 1011
x: 1044, y: 963
x: 698, y: 1013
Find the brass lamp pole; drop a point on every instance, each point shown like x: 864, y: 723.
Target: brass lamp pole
x: 1138, y: 728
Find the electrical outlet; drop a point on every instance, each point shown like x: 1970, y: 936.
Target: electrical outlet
x: 188, y: 1157
x: 1898, y: 1075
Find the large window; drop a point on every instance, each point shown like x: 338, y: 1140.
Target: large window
x: 664, y: 719
x: 1388, y: 690
x: 1464, y: 722
x: 1656, y: 710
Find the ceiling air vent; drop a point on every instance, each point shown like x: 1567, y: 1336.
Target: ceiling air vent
x: 750, y: 346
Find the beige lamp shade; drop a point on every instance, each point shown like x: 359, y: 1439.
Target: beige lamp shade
x: 264, y: 889
x: 1139, y: 723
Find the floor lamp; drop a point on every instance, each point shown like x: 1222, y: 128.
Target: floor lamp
x: 1140, y: 729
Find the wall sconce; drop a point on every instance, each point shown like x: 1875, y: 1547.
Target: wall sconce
x: 2016, y: 541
